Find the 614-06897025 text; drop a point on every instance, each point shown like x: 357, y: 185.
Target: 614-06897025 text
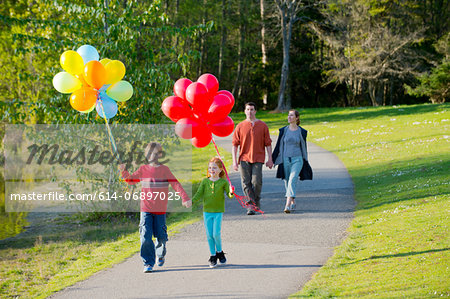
x: 102, y: 196
x: 140, y: 196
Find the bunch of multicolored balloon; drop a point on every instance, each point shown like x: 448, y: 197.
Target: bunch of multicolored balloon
x: 92, y: 83
x: 199, y: 109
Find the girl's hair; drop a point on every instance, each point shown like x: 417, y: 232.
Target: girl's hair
x: 219, y: 164
x: 297, y: 114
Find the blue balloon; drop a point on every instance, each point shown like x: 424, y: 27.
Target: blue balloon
x: 109, y: 106
x: 104, y: 88
x: 88, y: 53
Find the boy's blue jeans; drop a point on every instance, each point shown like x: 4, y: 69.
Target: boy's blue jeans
x: 213, y: 226
x: 292, y: 167
x: 152, y: 224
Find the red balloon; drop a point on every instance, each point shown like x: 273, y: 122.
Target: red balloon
x: 222, y: 128
x: 211, y: 83
x: 188, y: 128
x: 229, y: 94
x: 176, y: 108
x: 179, y: 89
x: 220, y: 108
x: 203, y: 139
x: 197, y: 96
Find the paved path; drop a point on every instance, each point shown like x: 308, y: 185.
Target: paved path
x: 269, y: 256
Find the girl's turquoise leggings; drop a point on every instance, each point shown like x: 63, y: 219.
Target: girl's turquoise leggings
x: 213, y: 226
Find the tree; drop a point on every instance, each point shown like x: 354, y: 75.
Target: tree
x: 373, y: 49
x: 288, y: 13
x: 135, y: 32
x: 436, y: 84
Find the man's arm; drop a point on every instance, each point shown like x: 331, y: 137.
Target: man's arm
x: 269, y: 162
x: 234, y: 155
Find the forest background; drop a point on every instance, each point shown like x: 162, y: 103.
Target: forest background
x: 279, y: 54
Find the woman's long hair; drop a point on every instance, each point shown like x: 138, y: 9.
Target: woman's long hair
x: 297, y: 114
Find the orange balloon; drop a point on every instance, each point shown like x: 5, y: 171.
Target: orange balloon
x: 83, y: 99
x: 95, y: 74
x: 81, y: 78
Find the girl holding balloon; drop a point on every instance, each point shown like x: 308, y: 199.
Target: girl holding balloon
x: 211, y: 191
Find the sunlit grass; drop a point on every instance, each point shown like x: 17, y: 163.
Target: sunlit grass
x: 398, y: 244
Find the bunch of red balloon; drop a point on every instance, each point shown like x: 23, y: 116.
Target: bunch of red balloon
x: 199, y: 109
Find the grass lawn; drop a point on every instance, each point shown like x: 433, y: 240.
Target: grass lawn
x: 57, y: 251
x: 398, y: 244
x: 399, y: 159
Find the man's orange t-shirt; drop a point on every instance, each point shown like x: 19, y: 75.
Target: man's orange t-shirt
x: 252, y: 140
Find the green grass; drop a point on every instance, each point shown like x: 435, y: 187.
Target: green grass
x: 398, y: 244
x: 56, y: 251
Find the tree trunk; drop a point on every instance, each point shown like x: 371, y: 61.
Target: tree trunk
x: 376, y: 93
x: 286, y: 27
x: 263, y: 51
x: 222, y: 41
x: 240, y: 48
x: 202, y: 42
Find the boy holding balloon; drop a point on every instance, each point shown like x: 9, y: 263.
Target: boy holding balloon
x: 155, y: 179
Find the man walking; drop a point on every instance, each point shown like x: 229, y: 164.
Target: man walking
x: 252, y: 137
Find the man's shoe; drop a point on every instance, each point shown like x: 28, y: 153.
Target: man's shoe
x: 212, y: 261
x: 250, y: 212
x: 287, y: 209
x: 161, y: 261
x: 148, y: 269
x: 221, y: 257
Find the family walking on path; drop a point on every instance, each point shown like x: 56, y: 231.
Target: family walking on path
x: 251, y: 137
x: 279, y: 251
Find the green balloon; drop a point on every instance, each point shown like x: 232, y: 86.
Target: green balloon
x: 121, y: 91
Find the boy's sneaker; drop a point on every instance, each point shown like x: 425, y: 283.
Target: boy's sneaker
x: 148, y: 269
x: 161, y: 261
x: 213, y: 261
x: 221, y: 257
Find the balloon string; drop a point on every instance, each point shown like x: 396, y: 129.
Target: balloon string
x: 112, y: 142
x: 244, y: 201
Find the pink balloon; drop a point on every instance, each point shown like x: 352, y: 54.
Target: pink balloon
x: 197, y: 96
x: 211, y: 83
x: 222, y: 128
x: 176, y: 108
x: 229, y: 94
x: 179, y: 88
x: 220, y: 108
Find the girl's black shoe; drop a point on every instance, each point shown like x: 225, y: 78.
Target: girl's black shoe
x: 221, y: 257
x: 213, y: 261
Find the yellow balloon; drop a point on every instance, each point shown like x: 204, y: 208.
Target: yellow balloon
x: 72, y: 62
x: 115, y: 70
x: 105, y: 61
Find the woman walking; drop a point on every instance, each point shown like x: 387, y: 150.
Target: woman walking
x: 289, y: 154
